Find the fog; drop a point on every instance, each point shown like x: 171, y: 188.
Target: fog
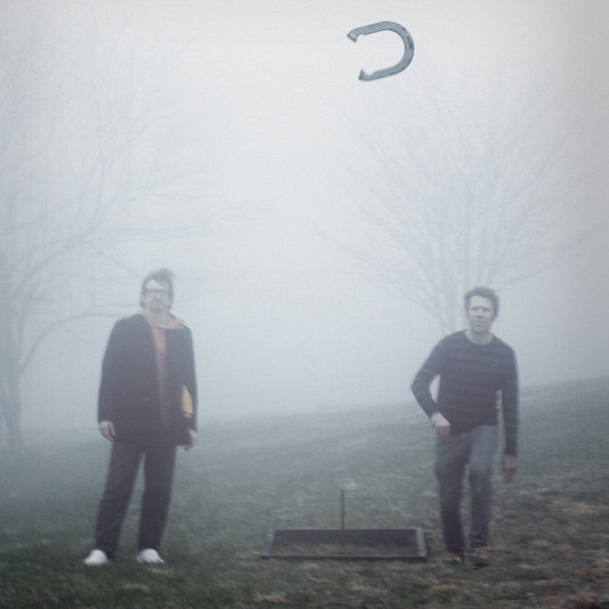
x: 269, y: 129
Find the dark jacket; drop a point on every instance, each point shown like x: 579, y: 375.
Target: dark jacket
x: 129, y: 390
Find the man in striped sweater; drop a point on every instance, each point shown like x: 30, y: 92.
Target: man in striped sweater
x: 474, y: 366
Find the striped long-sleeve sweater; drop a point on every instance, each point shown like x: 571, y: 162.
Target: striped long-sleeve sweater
x: 471, y: 376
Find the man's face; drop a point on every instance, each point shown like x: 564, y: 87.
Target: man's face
x: 480, y: 314
x: 156, y: 297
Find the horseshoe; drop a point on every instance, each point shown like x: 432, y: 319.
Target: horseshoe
x: 402, y: 32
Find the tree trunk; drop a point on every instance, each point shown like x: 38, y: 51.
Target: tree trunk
x: 12, y: 420
x: 11, y: 407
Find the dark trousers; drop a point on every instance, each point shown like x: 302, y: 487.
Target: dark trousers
x: 159, y: 465
x: 475, y: 448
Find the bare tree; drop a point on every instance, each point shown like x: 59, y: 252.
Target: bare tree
x: 459, y: 189
x: 84, y: 155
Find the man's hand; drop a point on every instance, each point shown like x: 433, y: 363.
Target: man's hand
x: 509, y: 467
x: 106, y: 428
x: 192, y: 438
x: 441, y: 425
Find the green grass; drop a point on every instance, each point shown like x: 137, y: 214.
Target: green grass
x: 550, y: 533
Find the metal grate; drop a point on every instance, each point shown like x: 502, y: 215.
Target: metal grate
x: 406, y: 544
x: 347, y: 544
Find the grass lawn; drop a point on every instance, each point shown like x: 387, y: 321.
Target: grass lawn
x: 550, y: 528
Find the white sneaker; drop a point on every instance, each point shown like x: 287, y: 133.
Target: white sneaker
x: 97, y: 558
x: 150, y: 557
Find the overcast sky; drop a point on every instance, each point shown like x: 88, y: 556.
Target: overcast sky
x: 284, y: 319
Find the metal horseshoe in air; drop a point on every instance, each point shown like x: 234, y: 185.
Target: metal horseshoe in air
x: 402, y: 32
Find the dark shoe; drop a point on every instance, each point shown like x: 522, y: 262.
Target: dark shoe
x: 480, y: 558
x: 452, y: 559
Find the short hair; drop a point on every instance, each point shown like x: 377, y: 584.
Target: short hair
x: 484, y: 293
x: 164, y: 276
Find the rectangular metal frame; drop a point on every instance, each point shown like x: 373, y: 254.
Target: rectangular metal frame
x: 407, y: 537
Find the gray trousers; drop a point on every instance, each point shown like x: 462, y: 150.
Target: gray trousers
x: 475, y: 448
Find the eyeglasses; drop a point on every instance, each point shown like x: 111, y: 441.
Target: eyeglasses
x: 157, y: 292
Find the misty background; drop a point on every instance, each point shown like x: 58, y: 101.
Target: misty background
x: 313, y: 220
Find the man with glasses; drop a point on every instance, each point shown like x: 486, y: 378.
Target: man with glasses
x: 147, y: 407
